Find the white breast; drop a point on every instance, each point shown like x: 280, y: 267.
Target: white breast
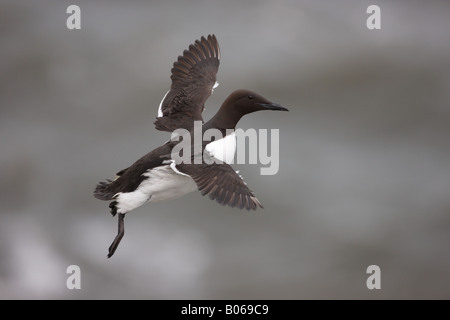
x: 223, y: 149
x: 162, y: 183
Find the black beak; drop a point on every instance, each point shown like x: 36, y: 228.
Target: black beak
x: 272, y: 106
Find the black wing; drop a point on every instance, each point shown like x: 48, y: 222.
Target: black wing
x: 222, y: 184
x: 193, y: 79
x: 129, y: 179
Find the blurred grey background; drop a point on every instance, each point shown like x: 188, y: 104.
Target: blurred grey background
x: 364, y: 175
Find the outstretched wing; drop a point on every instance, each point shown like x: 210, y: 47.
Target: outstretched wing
x: 193, y: 79
x: 222, y: 184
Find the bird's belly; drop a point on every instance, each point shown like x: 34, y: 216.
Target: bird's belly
x: 165, y: 184
x: 161, y: 183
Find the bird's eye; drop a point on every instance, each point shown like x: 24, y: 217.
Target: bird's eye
x: 251, y: 97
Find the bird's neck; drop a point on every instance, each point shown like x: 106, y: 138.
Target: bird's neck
x: 225, y: 118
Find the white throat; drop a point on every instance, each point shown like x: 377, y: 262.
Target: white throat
x: 223, y: 149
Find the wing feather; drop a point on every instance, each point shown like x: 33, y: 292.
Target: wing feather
x: 222, y: 184
x: 193, y: 78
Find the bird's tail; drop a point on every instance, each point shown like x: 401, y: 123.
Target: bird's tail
x: 103, y: 191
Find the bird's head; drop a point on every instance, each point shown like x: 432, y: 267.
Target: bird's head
x: 246, y: 101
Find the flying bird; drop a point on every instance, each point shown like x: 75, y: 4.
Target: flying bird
x: 157, y: 176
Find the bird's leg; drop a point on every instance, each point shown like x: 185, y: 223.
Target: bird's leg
x: 113, y: 207
x: 119, y: 236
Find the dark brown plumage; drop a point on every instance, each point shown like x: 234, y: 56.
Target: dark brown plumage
x: 156, y: 176
x: 222, y: 184
x: 193, y: 78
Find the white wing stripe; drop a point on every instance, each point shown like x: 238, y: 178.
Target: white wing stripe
x: 215, y: 86
x: 160, y: 114
x: 172, y: 166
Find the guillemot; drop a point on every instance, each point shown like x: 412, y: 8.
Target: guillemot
x: 157, y: 176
